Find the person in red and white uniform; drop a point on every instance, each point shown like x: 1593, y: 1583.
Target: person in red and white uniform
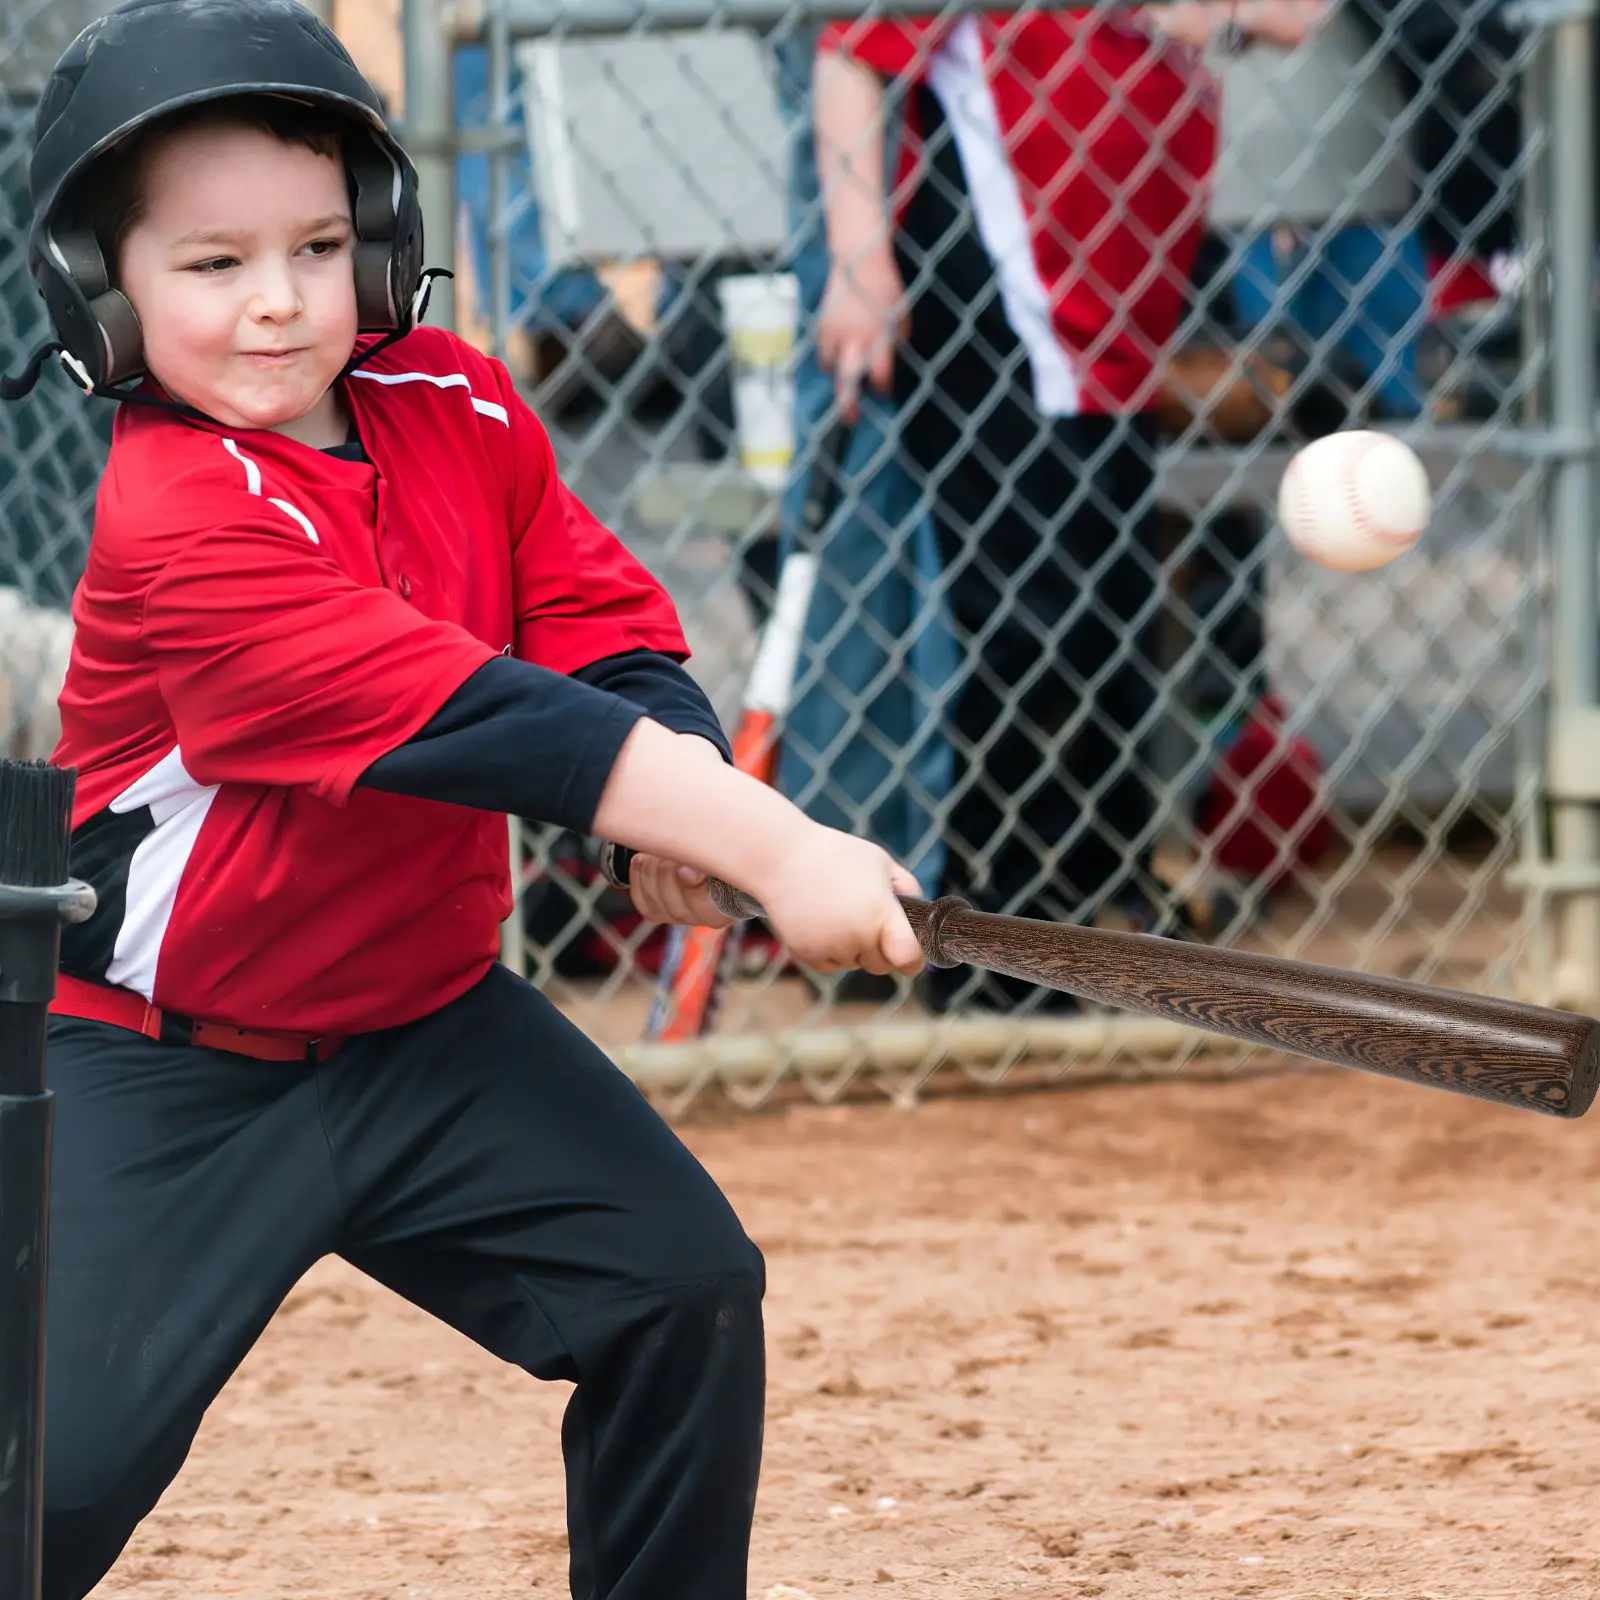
x: 1015, y: 282
x: 340, y: 617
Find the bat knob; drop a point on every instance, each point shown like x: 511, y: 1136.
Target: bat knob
x: 615, y: 860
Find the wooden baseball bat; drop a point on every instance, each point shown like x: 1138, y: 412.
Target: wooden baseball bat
x: 1526, y: 1056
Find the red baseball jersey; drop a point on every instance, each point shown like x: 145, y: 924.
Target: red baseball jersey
x: 258, y: 622
x: 1087, y: 147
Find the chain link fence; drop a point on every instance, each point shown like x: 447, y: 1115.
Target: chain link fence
x: 51, y: 449
x: 1060, y: 661
x: 1058, y: 656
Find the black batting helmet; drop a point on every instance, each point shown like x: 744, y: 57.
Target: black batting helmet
x: 149, y: 58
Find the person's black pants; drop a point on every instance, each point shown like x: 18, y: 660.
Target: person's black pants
x: 1048, y: 532
x: 488, y: 1164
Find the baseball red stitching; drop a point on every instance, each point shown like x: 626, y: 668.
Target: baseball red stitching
x: 1302, y: 495
x: 1358, y: 515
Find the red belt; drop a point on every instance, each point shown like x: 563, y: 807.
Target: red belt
x: 98, y: 1002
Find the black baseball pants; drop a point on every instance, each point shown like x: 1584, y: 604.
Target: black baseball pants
x: 487, y: 1163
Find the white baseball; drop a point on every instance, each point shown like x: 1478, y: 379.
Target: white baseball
x: 1354, y: 500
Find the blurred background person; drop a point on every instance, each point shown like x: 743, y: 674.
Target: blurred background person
x: 53, y: 447
x: 863, y: 746
x: 1313, y: 256
x: 1014, y: 287
x: 1314, y: 195
x: 548, y: 305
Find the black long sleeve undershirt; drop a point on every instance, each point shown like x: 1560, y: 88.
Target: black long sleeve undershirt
x: 539, y: 744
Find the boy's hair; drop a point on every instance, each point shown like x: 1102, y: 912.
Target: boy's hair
x: 111, y: 197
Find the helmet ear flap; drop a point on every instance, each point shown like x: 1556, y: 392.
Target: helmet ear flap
x: 376, y: 310
x: 95, y: 321
x: 388, y: 224
x: 100, y: 329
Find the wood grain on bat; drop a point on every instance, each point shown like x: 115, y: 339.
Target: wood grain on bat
x: 1532, y: 1057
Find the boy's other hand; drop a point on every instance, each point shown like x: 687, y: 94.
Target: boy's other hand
x: 668, y: 891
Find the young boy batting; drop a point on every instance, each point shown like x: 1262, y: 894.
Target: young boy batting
x: 340, y: 616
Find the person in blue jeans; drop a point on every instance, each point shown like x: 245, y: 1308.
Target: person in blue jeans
x: 1315, y: 192
x: 541, y: 299
x: 1362, y: 288
x: 863, y: 746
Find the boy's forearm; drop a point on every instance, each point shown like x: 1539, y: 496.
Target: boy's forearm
x: 848, y: 112
x: 672, y: 795
x: 520, y: 739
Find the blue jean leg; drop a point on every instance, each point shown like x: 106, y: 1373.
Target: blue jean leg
x: 1382, y: 272
x: 1257, y: 284
x: 1367, y: 290
x: 565, y: 297
x: 865, y: 748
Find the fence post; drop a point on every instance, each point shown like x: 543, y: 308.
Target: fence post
x: 1575, y: 620
x: 35, y: 899
x: 503, y: 141
x: 428, y: 133
x: 513, y: 940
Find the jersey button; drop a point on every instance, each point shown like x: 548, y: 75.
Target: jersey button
x: 405, y: 587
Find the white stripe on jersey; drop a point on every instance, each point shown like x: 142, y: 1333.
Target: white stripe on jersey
x: 252, y: 473
x: 448, y: 380
x: 252, y: 482
x: 299, y: 516
x: 957, y: 75
x: 178, y: 807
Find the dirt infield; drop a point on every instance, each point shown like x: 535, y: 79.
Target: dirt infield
x: 1310, y: 1336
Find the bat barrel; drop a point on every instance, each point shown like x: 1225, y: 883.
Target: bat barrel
x: 1531, y: 1057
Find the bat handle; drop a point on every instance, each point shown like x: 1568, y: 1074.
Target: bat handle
x: 733, y: 902
x: 928, y: 918
x: 729, y: 901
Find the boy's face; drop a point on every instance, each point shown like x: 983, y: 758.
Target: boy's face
x: 241, y: 271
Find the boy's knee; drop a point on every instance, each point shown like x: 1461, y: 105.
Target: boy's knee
x: 708, y: 1299
x: 732, y: 1273
x: 744, y: 1263
x: 710, y: 1330
x: 695, y: 1235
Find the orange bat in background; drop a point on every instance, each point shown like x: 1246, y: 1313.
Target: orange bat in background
x: 694, y: 964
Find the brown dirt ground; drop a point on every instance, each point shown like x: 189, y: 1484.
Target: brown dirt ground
x: 1302, y: 1336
